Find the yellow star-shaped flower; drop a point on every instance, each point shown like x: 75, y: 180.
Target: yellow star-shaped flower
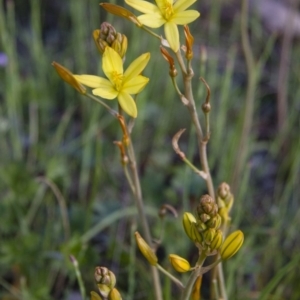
x: 168, y: 13
x: 119, y: 84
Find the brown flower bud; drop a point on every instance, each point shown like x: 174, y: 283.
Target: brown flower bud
x: 68, y: 77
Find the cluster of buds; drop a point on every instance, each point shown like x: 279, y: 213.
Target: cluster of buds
x: 107, y: 36
x: 204, y: 230
x: 208, y: 223
x: 106, y: 281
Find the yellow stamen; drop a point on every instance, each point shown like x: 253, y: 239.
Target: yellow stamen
x: 118, y: 80
x: 168, y: 10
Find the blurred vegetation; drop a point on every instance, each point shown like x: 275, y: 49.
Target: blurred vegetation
x: 61, y: 184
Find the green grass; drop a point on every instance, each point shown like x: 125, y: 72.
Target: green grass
x: 61, y: 184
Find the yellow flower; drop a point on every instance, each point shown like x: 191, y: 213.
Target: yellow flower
x: 169, y: 13
x: 119, y: 84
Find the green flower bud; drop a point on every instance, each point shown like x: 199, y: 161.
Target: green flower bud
x: 232, y: 244
x: 179, y: 264
x: 217, y: 241
x: 215, y: 222
x: 145, y: 249
x: 201, y: 226
x: 208, y: 235
x: 114, y: 295
x: 120, y: 44
x: 188, y: 220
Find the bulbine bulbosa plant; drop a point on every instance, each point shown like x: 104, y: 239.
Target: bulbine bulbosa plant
x: 209, y: 226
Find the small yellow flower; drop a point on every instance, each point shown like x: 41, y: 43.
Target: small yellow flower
x: 119, y: 84
x: 169, y: 13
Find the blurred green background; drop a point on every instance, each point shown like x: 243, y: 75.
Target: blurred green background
x: 61, y: 182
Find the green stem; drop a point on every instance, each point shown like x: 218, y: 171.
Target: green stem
x: 187, y: 77
x: 113, y: 112
x: 79, y: 277
x: 222, y: 282
x: 195, y: 274
x: 173, y: 278
x: 250, y: 93
x: 141, y: 211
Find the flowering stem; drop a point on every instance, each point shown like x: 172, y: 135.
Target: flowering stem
x: 140, y: 206
x: 197, y: 272
x: 202, y: 142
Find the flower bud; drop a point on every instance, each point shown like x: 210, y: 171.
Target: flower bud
x: 107, y: 36
x: 214, y: 222
x: 145, y: 249
x: 121, y: 12
x: 208, y: 235
x: 232, y: 244
x: 223, y: 190
x: 225, y: 198
x: 187, y: 220
x: 207, y: 205
x: 166, y: 55
x: 95, y: 296
x: 114, y: 295
x: 68, y: 77
x: 217, y: 241
x: 179, y: 264
x: 196, y: 234
x: 189, y: 41
x: 120, y: 44
x: 204, y: 217
x: 106, y: 280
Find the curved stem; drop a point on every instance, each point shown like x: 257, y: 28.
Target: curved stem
x: 173, y: 278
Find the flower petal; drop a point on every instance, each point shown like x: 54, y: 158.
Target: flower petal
x: 143, y: 6
x: 111, y: 63
x: 182, y: 5
x: 92, y: 80
x: 128, y: 104
x: 152, y: 20
x: 172, y: 35
x: 136, y: 67
x: 105, y: 92
x: 185, y: 17
x: 135, y: 85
